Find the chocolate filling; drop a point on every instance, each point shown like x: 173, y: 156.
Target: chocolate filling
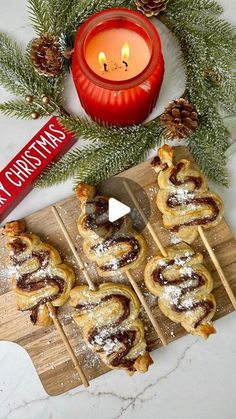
x: 158, y: 276
x: 156, y: 161
x: 126, y: 258
x: 172, y: 202
x: 28, y: 283
x: 34, y: 314
x: 18, y: 246
x: 100, y: 206
x: 197, y: 181
x: 125, y: 337
x: 105, y: 334
x: 35, y: 309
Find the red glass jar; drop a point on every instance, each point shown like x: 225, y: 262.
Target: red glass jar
x: 118, y: 102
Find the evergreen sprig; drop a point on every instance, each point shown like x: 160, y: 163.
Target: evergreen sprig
x: 106, y: 157
x: 19, y: 78
x: 63, y: 17
x: 209, y: 50
x: 20, y: 109
x: 40, y: 16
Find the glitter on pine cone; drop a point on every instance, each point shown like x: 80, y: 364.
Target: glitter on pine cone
x: 180, y: 119
x: 45, y: 55
x: 151, y: 7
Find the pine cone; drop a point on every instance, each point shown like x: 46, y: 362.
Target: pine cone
x: 45, y: 55
x: 151, y: 7
x: 180, y: 119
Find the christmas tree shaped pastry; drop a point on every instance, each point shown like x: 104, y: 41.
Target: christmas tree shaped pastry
x: 183, y: 197
x: 39, y: 276
x: 184, y: 287
x: 109, y: 320
x: 113, y: 246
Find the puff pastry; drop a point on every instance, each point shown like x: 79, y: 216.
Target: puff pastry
x: 39, y: 276
x: 184, y: 287
x: 109, y: 320
x: 113, y: 246
x: 183, y: 197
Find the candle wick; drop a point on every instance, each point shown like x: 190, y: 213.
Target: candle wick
x: 105, y: 67
x: 126, y: 65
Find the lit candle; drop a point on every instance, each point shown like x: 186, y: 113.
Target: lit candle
x: 125, y: 53
x: 102, y: 61
x: 118, y: 66
x: 117, y: 44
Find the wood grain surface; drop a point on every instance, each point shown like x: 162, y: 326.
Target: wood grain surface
x: 44, y: 346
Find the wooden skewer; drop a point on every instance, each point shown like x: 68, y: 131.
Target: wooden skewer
x: 147, y: 223
x: 132, y: 280
x: 217, y: 266
x: 67, y: 344
x: 146, y: 307
x: 73, y: 249
x: 52, y: 310
x: 92, y: 286
x: 203, y: 237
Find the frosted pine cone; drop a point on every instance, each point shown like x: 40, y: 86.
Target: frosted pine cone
x: 45, y: 55
x: 151, y: 7
x: 180, y: 119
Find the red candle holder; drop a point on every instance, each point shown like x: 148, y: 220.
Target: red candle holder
x: 124, y: 102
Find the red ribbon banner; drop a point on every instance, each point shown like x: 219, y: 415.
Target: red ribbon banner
x: 16, y: 179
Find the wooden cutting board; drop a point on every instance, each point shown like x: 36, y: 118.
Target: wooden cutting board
x: 45, y: 348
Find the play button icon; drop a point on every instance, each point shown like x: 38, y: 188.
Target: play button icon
x: 117, y: 209
x: 115, y: 202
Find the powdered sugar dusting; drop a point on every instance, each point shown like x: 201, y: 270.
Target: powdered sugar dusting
x: 186, y: 270
x: 174, y: 239
x: 181, y: 196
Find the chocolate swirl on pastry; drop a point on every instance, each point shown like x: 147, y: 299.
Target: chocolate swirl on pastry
x: 113, y: 246
x: 183, y: 197
x: 178, y: 181
x: 108, y: 318
x: 184, y: 287
x: 124, y: 339
x: 186, y: 284
x: 132, y: 250
x: 96, y: 218
x: 199, y: 202
x: 39, y: 276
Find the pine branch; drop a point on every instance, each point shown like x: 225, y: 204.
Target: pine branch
x: 111, y: 160
x: 20, y: 109
x: 205, y: 6
x: 16, y: 72
x: 116, y: 149
x: 65, y: 16
x: 86, y: 9
x: 18, y: 77
x: 40, y: 16
x: 208, y: 145
x: 209, y: 49
x: 66, y: 168
x: 59, y: 10
x: 84, y: 128
x: 208, y: 45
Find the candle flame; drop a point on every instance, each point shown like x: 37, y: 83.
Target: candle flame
x: 102, y: 58
x: 125, y: 52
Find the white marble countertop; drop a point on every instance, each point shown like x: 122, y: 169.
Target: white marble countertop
x: 191, y: 378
